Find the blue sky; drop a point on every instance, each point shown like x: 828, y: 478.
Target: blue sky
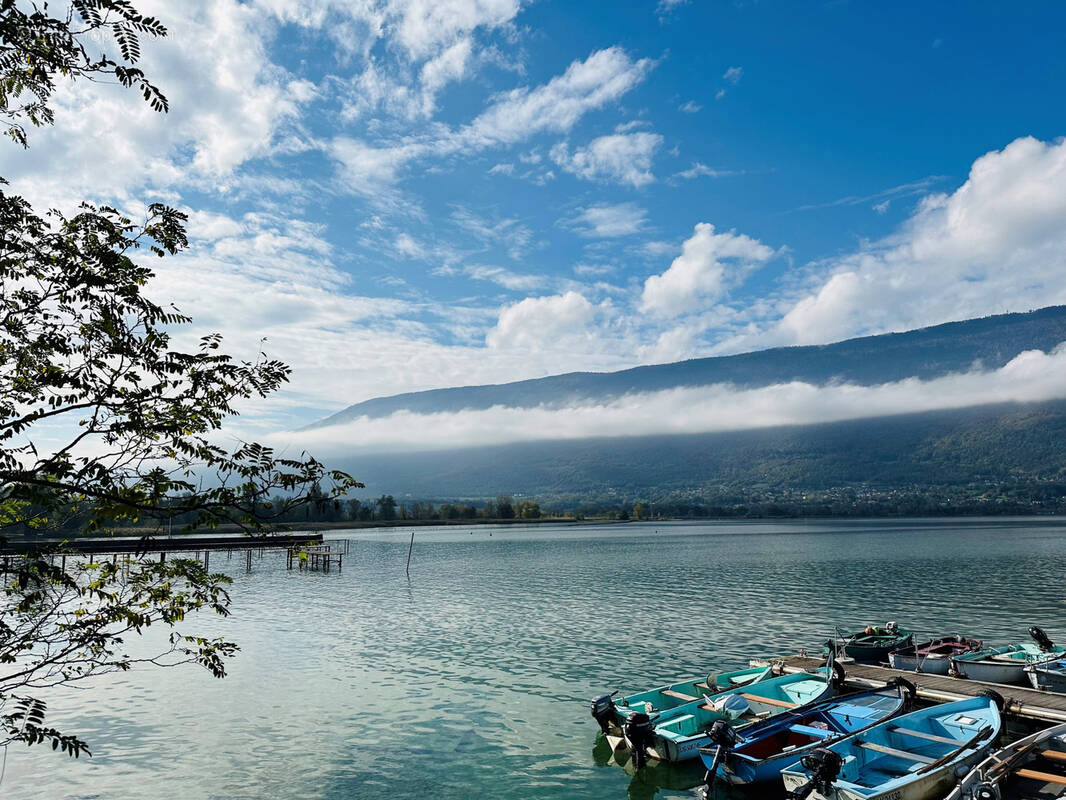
x: 405, y: 194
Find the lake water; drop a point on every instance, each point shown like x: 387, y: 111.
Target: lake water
x: 471, y: 678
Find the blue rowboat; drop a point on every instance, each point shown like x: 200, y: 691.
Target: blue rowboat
x: 758, y: 752
x: 1006, y: 664
x: 918, y: 756
x: 678, y: 734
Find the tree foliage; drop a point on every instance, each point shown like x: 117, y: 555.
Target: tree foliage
x: 36, y: 48
x: 103, y: 420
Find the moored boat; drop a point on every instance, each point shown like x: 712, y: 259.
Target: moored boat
x: 873, y: 644
x: 1006, y: 664
x: 1033, y: 767
x: 758, y: 752
x: 677, y: 735
x: 611, y: 714
x: 664, y: 698
x: 1047, y: 675
x: 933, y: 656
x: 917, y: 756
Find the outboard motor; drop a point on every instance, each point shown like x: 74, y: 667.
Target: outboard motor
x: 985, y: 791
x: 603, y: 710
x: 911, y: 691
x: 892, y: 627
x: 824, y: 766
x: 725, y: 738
x: 1041, y: 639
x: 638, y: 730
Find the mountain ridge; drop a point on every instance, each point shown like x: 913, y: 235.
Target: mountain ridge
x: 924, y: 353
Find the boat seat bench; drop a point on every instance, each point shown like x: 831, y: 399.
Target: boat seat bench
x: 768, y: 701
x: 1054, y: 755
x: 807, y: 730
x: 892, y: 751
x: 931, y: 737
x: 678, y: 695
x: 1035, y: 775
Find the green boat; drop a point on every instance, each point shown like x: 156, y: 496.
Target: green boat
x: 673, y: 695
x: 678, y: 734
x: 873, y: 644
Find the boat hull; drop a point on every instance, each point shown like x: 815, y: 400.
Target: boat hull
x: 1047, y: 681
x: 930, y: 665
x: 929, y: 787
x: 992, y: 671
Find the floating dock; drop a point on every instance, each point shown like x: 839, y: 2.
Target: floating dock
x: 1021, y: 701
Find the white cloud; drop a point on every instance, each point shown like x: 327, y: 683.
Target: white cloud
x: 911, y: 189
x: 511, y: 233
x: 699, y: 169
x: 733, y: 75
x: 708, y: 264
x: 1030, y: 377
x: 503, y: 277
x: 665, y: 6
x: 608, y: 221
x: 368, y: 170
x: 557, y: 105
x: 514, y: 116
x: 539, y: 323
x: 690, y: 107
x: 229, y: 105
x: 997, y: 243
x: 622, y: 157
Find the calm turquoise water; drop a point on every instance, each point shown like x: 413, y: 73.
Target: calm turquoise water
x: 471, y: 678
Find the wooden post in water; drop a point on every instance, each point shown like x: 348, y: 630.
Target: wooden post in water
x: 409, y: 549
x: 207, y: 559
x: 249, y: 552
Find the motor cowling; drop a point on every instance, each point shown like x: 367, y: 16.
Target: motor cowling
x: 724, y: 738
x: 824, y: 766
x: 1041, y: 639
x: 638, y: 731
x: 603, y: 709
x: 985, y: 791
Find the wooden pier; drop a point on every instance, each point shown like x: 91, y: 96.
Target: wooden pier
x: 309, y: 550
x: 1021, y: 701
x: 315, y: 557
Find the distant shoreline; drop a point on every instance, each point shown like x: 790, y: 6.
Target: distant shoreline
x: 317, y: 527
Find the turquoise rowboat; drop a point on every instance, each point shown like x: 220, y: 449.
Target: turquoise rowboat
x: 678, y: 734
x: 1007, y: 664
x: 677, y: 694
x: 918, y: 756
x: 612, y: 714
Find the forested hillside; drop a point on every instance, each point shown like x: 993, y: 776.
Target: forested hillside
x: 1005, y: 457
